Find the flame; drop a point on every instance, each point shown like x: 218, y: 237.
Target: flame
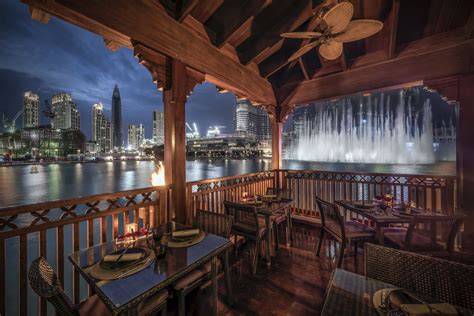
x: 158, y: 176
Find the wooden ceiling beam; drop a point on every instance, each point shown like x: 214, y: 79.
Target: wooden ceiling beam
x: 279, y: 17
x: 205, y: 9
x: 392, y: 39
x: 232, y: 17
x: 184, y: 9
x: 149, y: 24
x: 469, y: 28
x: 53, y: 9
x: 411, y: 67
x: 303, y: 68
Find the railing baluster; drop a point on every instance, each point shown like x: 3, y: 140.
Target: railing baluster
x: 42, y: 253
x: 2, y: 276
x: 23, y: 274
x: 75, y: 245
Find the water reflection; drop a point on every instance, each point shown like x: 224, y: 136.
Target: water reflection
x: 18, y: 186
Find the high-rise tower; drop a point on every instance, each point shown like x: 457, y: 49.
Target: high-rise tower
x: 101, y: 128
x: 117, y: 141
x: 66, y: 115
x: 30, y: 110
x: 158, y: 127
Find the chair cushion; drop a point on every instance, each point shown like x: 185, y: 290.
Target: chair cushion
x: 278, y: 218
x: 93, y: 306
x: 149, y: 306
x: 397, y: 235
x: 189, y: 279
x: 354, y: 229
x: 247, y: 227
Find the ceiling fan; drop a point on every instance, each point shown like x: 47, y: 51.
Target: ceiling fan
x: 334, y: 29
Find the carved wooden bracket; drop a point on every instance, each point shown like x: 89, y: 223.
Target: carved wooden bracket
x: 39, y: 15
x: 159, y: 67
x: 447, y: 87
x: 113, y: 45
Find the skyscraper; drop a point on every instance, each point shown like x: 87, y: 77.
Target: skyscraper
x: 117, y: 142
x: 136, y: 136
x: 30, y: 110
x: 66, y: 115
x: 101, y: 128
x: 251, y: 121
x: 158, y: 127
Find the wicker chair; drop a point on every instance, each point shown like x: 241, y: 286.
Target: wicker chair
x: 439, y: 279
x: 280, y: 217
x: 343, y: 231
x: 434, y: 235
x: 44, y: 281
x: 249, y: 225
x: 213, y: 223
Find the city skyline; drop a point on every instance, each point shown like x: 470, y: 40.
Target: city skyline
x: 84, y: 68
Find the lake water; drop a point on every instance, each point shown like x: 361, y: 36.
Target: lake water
x: 61, y: 181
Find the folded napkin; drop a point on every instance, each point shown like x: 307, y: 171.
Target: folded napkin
x: 125, y: 257
x: 185, y: 233
x: 429, y: 309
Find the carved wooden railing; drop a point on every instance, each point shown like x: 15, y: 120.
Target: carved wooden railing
x: 211, y: 193
x: 438, y: 193
x: 56, y: 229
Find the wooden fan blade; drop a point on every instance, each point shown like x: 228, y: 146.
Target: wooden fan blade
x: 303, y: 50
x: 331, y: 50
x: 359, y: 29
x: 304, y: 35
x: 338, y: 17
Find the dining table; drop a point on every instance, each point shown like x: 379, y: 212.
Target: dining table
x: 267, y: 210
x: 122, y: 295
x: 349, y: 293
x: 380, y: 218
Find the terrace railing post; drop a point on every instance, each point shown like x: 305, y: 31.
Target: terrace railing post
x: 174, y: 101
x: 465, y: 157
x: 277, y: 128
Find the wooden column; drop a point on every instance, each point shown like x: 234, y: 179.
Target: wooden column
x: 277, y: 128
x: 461, y: 89
x: 174, y: 100
x: 465, y: 157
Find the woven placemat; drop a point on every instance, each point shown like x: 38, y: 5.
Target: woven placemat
x: 188, y: 243
x: 97, y: 272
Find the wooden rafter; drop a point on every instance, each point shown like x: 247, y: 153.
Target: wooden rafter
x: 166, y: 36
x: 392, y: 39
x: 469, y: 28
x: 281, y: 16
x: 412, y: 65
x: 234, y: 17
x: 205, y: 9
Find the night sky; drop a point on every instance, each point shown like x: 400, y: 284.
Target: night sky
x: 59, y: 56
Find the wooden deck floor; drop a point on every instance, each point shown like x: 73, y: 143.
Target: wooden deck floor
x: 294, y: 285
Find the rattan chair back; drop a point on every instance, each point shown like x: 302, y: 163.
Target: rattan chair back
x: 45, y: 282
x: 214, y: 223
x: 442, y: 280
x: 331, y: 219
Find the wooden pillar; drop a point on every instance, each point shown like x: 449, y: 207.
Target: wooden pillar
x: 461, y: 89
x: 277, y: 128
x: 465, y: 157
x: 174, y: 100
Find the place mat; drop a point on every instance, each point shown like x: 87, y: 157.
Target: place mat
x: 186, y: 243
x: 98, y: 272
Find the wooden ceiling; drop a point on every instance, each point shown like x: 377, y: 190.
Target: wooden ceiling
x: 236, y: 44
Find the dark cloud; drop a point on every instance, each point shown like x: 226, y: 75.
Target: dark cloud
x: 61, y: 57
